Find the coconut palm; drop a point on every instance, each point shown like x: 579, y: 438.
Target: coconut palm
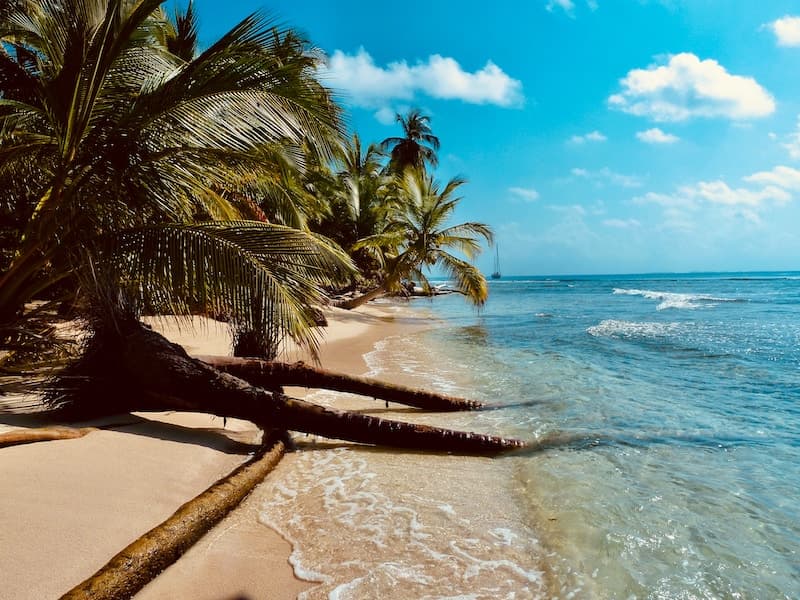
x: 181, y: 33
x: 416, y: 237
x: 116, y: 150
x: 128, y: 169
x: 417, y: 147
x: 361, y: 195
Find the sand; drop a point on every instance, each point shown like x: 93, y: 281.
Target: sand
x: 68, y: 506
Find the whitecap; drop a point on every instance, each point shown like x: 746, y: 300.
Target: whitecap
x: 676, y: 299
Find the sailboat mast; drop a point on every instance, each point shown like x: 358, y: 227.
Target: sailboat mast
x: 496, y: 274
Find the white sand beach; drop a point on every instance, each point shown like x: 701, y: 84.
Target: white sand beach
x: 68, y: 506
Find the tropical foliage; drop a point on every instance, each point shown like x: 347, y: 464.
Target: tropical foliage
x: 418, y: 146
x: 417, y: 236
x: 133, y: 160
x: 143, y: 175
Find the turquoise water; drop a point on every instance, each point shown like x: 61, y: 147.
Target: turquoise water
x: 670, y: 405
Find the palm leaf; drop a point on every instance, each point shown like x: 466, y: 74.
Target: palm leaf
x: 224, y: 267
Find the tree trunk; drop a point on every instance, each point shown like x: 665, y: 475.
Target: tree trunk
x: 266, y: 374
x: 362, y: 299
x: 142, y: 560
x: 42, y: 434
x: 147, y: 372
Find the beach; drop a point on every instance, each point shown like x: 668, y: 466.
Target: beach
x: 69, y: 506
x: 666, y: 408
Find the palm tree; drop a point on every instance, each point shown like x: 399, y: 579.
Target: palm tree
x: 116, y: 150
x: 361, y: 195
x: 181, y: 33
x: 416, y: 237
x: 417, y: 147
x: 126, y: 169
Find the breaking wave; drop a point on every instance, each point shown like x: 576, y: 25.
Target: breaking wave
x: 675, y: 299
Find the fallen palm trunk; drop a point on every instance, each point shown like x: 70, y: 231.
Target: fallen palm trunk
x: 357, y: 301
x: 266, y: 373
x: 140, y: 562
x: 147, y: 372
x: 42, y: 434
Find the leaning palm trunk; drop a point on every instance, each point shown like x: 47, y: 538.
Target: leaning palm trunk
x: 363, y: 298
x: 144, y: 371
x: 267, y: 373
x: 142, y: 560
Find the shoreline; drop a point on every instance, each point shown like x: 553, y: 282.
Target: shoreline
x: 243, y: 555
x: 69, y: 506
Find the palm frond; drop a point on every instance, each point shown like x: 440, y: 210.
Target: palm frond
x: 468, y: 279
x: 223, y: 268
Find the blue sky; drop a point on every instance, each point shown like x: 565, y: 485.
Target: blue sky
x: 598, y: 136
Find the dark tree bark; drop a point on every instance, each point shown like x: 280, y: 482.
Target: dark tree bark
x: 147, y: 372
x: 266, y: 374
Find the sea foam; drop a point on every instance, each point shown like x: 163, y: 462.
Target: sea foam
x: 384, y: 524
x: 630, y: 329
x: 675, y: 299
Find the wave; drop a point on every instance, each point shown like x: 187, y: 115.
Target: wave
x: 675, y: 299
x: 630, y: 329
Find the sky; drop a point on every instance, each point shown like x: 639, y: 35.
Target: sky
x: 597, y: 136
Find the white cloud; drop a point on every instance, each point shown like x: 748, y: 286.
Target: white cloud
x: 783, y: 177
x: 592, y: 136
x: 717, y: 201
x: 606, y: 175
x: 371, y: 85
x: 786, y: 30
x: 386, y: 115
x: 524, y: 194
x: 719, y: 192
x: 568, y: 6
x: 667, y: 201
x: 771, y: 186
x: 656, y: 136
x: 622, y: 223
x: 687, y: 87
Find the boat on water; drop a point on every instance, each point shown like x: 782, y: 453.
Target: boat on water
x: 496, y: 273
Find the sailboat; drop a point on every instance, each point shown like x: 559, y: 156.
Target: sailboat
x: 496, y: 274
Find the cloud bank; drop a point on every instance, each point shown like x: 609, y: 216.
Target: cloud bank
x: 766, y: 188
x: 786, y: 30
x: 687, y: 87
x: 372, y: 86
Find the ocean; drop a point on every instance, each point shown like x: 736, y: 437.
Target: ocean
x: 666, y: 409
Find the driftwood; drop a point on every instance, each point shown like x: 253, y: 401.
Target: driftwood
x: 42, y: 434
x: 142, y: 370
x: 141, y: 561
x: 266, y: 373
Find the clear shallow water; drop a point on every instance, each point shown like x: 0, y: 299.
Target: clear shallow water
x: 678, y: 399
x: 670, y: 408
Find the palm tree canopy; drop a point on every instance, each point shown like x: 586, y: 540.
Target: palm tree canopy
x: 417, y: 147
x: 417, y: 236
x: 105, y: 128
